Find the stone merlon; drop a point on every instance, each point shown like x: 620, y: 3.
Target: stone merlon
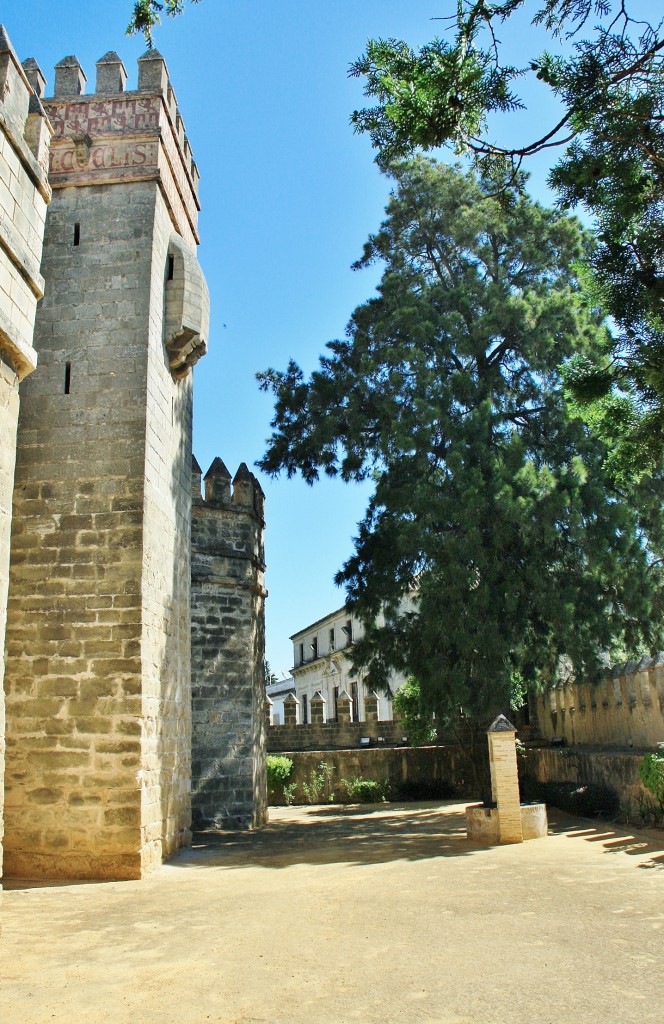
x: 218, y: 484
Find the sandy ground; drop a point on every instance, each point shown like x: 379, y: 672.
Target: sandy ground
x: 337, y: 915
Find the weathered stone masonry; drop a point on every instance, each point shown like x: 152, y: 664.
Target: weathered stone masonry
x: 98, y: 637
x: 24, y: 195
x: 228, y: 649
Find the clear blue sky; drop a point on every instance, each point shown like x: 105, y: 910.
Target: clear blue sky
x: 288, y: 196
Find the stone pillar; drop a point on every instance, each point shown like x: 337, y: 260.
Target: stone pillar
x: 505, y: 779
x: 371, y: 707
x: 99, y: 626
x: 229, y: 784
x: 25, y: 135
x: 344, y: 707
x: 291, y: 709
x: 318, y: 703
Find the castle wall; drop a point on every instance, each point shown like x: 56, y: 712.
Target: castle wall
x: 24, y: 195
x: 98, y: 684
x: 625, y: 709
x: 228, y: 651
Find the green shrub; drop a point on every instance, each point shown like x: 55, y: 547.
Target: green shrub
x: 289, y: 793
x: 365, y: 791
x: 279, y: 769
x: 318, y: 784
x: 651, y: 773
x: 418, y: 723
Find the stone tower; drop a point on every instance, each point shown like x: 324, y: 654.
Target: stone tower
x: 98, y: 669
x: 228, y: 786
x: 24, y: 195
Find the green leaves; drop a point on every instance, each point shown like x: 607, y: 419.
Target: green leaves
x: 611, y: 131
x: 441, y: 93
x: 147, y: 15
x: 493, y: 543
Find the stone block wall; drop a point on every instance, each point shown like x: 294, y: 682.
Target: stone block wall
x: 616, y: 770
x: 98, y: 682
x: 228, y: 650
x: 419, y: 772
x: 333, y: 735
x: 441, y: 771
x: 625, y: 709
x: 24, y: 195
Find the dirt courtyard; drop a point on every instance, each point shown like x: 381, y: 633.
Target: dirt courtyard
x: 333, y: 915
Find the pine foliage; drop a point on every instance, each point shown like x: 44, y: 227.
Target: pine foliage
x: 494, y: 543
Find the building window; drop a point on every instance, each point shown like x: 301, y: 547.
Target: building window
x: 356, y: 702
x: 301, y: 655
x: 305, y: 709
x: 347, y: 629
x: 331, y: 638
x: 314, y: 648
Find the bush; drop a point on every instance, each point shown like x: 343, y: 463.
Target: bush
x: 417, y: 722
x: 278, y: 772
x: 317, y: 785
x: 651, y: 773
x: 365, y: 791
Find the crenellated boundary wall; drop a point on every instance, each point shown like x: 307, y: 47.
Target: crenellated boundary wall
x: 623, y: 710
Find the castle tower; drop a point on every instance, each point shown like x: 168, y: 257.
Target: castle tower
x: 98, y: 669
x: 228, y: 784
x: 24, y: 195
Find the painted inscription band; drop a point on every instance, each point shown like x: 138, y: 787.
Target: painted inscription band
x: 102, y: 156
x: 100, y: 116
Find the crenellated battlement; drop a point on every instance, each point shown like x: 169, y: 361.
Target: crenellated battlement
x: 119, y: 135
x: 241, y: 493
x: 624, y: 709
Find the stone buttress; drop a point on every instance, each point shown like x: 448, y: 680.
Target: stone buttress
x: 228, y: 650
x: 25, y: 135
x: 98, y: 636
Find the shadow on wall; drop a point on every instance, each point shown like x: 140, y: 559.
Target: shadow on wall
x: 172, y: 722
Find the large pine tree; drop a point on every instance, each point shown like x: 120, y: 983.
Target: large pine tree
x: 493, y: 542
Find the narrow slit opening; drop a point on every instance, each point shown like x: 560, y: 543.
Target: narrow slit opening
x: 77, y: 234
x: 171, y: 268
x: 67, y: 378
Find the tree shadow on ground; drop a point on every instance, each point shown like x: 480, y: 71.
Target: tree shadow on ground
x: 366, y: 834
x: 380, y: 833
x: 377, y: 834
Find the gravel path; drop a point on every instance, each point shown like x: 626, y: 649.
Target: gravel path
x: 335, y: 915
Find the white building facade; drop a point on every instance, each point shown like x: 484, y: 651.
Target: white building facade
x: 322, y: 664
